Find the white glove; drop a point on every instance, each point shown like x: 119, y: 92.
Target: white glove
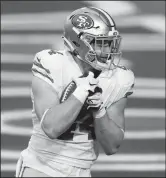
x: 84, y: 85
x: 95, y: 103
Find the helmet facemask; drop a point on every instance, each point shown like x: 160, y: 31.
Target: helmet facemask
x: 103, y: 51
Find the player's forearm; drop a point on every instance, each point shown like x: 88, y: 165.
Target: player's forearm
x: 108, y: 134
x: 60, y: 117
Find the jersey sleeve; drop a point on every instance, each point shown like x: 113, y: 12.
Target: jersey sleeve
x: 47, y: 66
x: 126, y: 79
x: 123, y: 86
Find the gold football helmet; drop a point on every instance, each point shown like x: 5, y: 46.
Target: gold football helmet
x: 90, y: 34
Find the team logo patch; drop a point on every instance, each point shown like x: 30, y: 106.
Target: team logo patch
x: 82, y: 21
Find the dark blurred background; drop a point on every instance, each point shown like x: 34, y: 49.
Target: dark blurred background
x: 28, y: 27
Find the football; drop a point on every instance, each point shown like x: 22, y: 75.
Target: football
x: 68, y: 91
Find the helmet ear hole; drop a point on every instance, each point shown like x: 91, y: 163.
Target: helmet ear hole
x: 76, y: 44
x: 75, y: 53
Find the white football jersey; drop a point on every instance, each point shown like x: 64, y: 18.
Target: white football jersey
x: 77, y: 146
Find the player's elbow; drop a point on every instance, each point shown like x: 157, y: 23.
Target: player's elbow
x: 111, y: 151
x: 50, y: 132
x: 112, y: 146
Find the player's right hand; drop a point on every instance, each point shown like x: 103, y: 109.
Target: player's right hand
x: 85, y: 85
x: 88, y: 83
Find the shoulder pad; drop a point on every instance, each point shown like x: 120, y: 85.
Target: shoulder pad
x: 48, y: 53
x: 125, y: 76
x: 47, y: 64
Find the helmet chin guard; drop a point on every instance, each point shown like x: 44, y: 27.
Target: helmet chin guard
x: 91, y: 35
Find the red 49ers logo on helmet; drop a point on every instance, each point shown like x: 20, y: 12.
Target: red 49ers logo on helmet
x: 82, y: 21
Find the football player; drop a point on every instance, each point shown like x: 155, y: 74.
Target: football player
x: 79, y: 95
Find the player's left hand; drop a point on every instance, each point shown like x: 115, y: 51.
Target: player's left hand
x: 94, y: 101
